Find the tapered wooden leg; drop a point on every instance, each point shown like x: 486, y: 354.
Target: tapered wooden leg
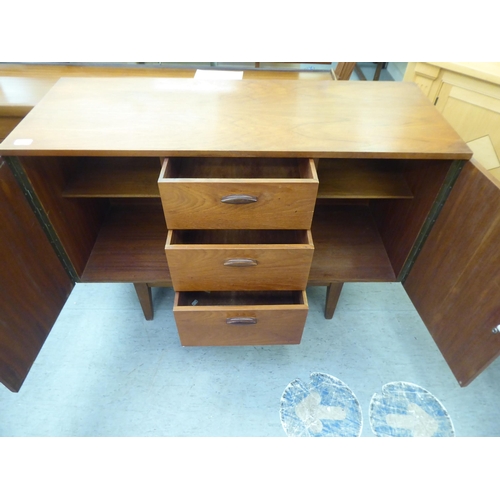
x: 332, y: 297
x: 144, y: 293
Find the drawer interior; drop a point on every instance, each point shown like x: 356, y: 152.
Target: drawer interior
x: 239, y: 236
x: 237, y: 168
x: 240, y: 298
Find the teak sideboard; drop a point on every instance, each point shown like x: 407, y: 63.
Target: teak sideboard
x: 239, y: 194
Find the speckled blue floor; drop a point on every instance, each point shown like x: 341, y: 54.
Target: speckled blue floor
x: 105, y: 371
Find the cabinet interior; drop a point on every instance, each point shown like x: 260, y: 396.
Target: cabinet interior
x: 108, y: 216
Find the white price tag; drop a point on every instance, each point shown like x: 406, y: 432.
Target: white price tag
x: 23, y: 142
x: 214, y: 74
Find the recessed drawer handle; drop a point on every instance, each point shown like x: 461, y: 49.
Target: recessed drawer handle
x: 240, y: 262
x: 241, y: 321
x: 238, y: 199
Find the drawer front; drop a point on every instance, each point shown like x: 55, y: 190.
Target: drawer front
x: 227, y: 325
x: 239, y: 267
x: 239, y: 203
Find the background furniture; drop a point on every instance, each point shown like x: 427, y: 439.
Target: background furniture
x: 342, y: 71
x: 380, y: 66
x: 383, y: 181
x: 468, y: 96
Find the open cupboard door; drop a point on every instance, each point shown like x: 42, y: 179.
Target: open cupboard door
x: 33, y: 283
x: 455, y: 281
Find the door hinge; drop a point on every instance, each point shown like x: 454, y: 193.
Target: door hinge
x: 451, y: 177
x: 36, y: 207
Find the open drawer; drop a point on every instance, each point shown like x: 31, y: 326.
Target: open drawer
x: 238, y: 193
x: 239, y: 259
x: 240, y: 318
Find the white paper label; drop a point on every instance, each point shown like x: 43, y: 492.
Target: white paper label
x: 214, y: 74
x: 23, y: 142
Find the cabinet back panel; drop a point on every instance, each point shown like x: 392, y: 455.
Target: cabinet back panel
x: 348, y: 178
x: 128, y: 177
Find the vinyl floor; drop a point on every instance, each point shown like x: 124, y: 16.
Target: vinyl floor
x: 106, y: 371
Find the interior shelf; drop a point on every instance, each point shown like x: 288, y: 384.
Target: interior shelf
x: 130, y: 245
x: 353, y: 178
x: 348, y: 246
x: 127, y: 177
x: 131, y: 177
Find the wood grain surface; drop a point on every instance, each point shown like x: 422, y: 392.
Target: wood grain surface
x: 400, y: 221
x: 367, y: 179
x: 455, y: 282
x: 189, y: 117
x: 347, y: 246
x: 205, y: 325
x: 127, y: 177
x: 33, y: 284
x: 198, y: 264
x: 284, y: 191
x: 130, y: 245
x: 76, y: 222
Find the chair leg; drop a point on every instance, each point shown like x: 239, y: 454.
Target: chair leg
x: 332, y: 297
x: 378, y: 70
x: 144, y: 293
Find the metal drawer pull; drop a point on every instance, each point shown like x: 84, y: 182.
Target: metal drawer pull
x: 241, y: 321
x: 496, y: 329
x: 239, y: 199
x: 240, y: 262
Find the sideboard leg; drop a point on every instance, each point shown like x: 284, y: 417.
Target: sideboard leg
x: 144, y: 293
x: 332, y: 297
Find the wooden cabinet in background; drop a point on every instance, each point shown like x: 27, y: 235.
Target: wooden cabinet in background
x: 468, y: 96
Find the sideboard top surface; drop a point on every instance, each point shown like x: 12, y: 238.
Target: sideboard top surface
x: 189, y: 117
